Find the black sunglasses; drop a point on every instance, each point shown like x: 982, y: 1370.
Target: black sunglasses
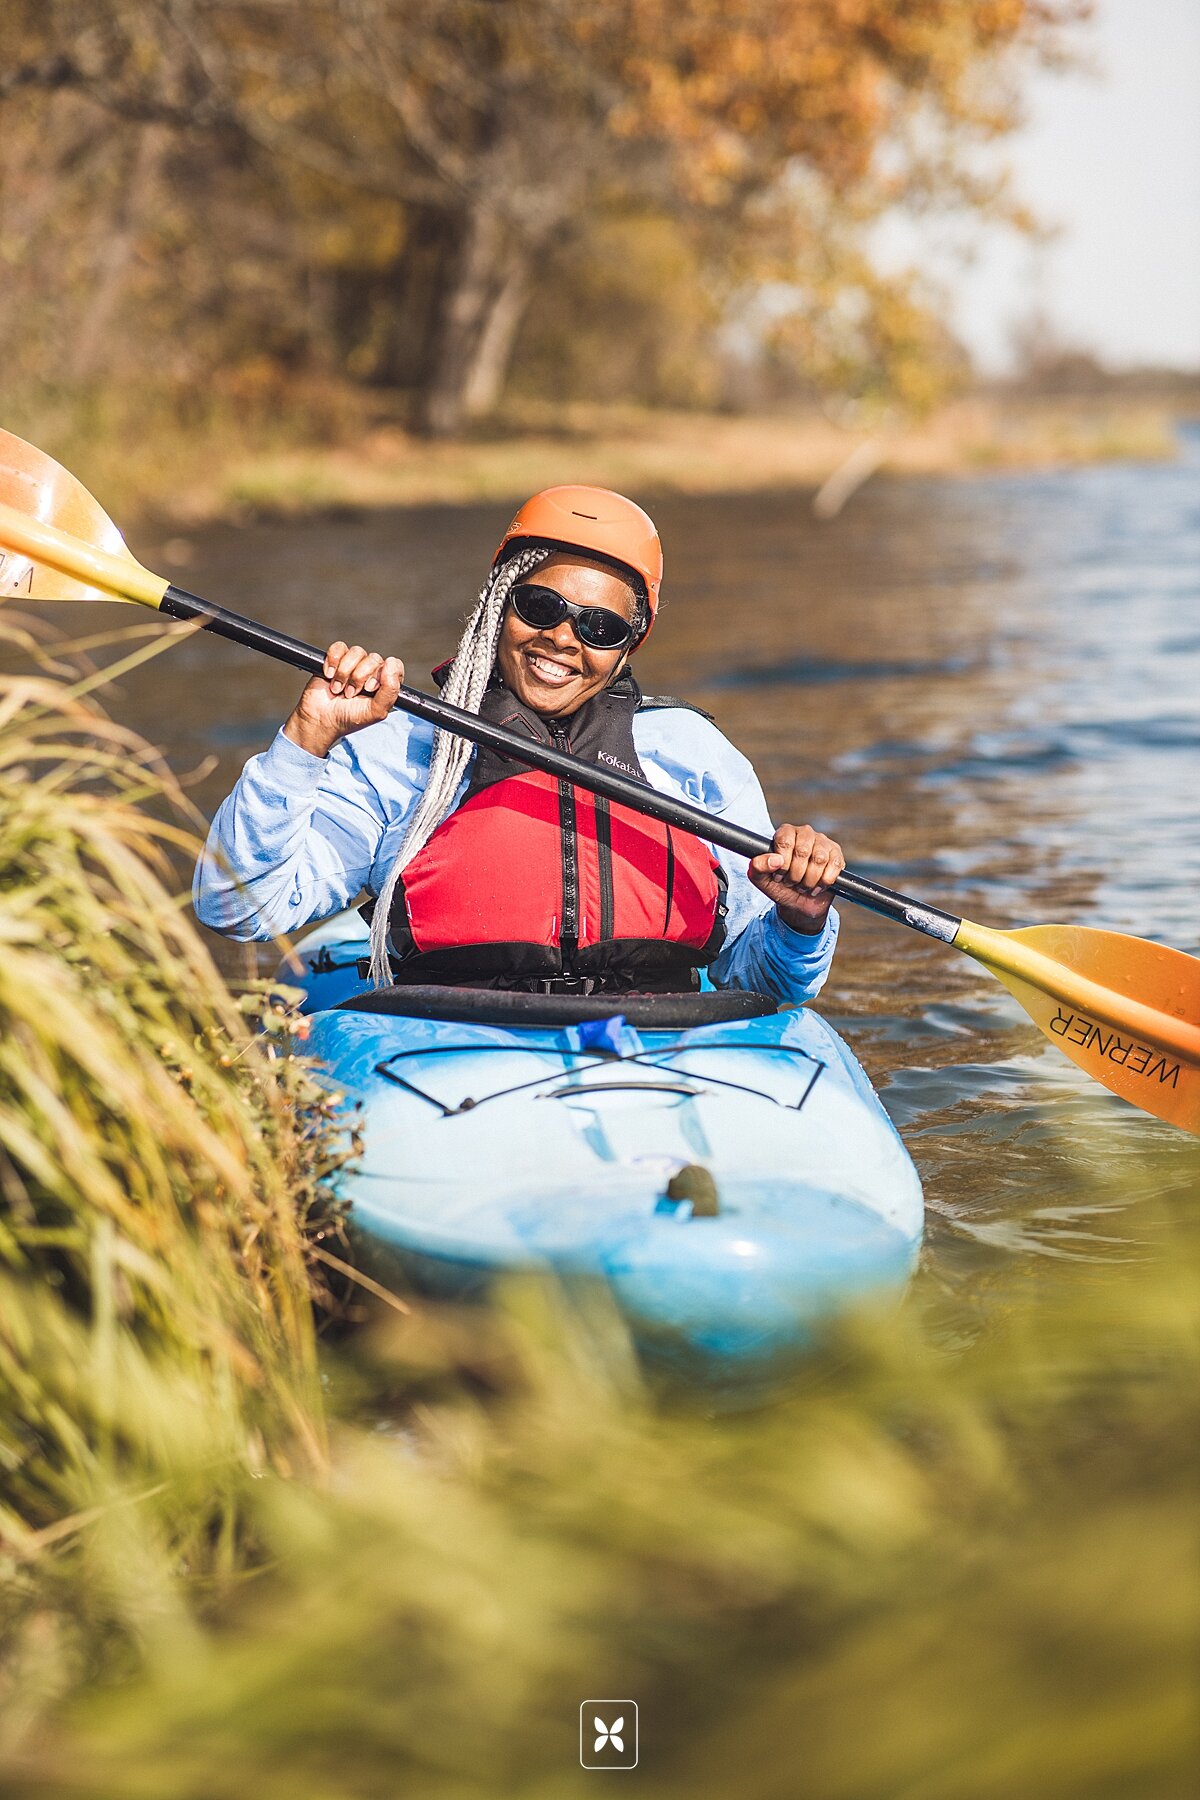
x: 596, y: 626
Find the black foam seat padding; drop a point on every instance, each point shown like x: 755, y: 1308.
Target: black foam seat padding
x: 499, y: 1006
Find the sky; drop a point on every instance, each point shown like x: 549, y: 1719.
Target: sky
x: 1113, y: 160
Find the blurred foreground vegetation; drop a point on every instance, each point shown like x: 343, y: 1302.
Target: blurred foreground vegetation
x: 254, y: 1542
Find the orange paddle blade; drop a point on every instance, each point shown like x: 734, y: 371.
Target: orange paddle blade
x: 56, y: 541
x: 1126, y: 1011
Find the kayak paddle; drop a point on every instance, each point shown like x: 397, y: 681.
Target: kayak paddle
x: 1125, y: 1010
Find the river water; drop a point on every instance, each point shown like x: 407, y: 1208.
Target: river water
x: 987, y: 689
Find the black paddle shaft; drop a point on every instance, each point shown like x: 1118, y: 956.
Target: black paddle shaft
x: 178, y: 604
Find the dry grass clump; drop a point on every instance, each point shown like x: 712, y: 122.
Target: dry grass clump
x: 155, y: 1320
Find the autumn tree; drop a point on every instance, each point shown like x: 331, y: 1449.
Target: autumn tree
x: 482, y: 139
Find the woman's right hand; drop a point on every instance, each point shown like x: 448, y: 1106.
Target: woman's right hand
x: 359, y: 687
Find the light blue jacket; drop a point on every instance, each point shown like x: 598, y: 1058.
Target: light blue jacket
x: 302, y: 836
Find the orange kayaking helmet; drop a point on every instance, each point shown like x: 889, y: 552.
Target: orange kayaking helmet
x: 596, y: 520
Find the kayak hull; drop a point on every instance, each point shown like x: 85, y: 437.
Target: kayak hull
x: 495, y: 1148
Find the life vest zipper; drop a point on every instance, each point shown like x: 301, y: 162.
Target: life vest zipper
x: 604, y: 857
x: 568, y: 838
x: 670, y: 883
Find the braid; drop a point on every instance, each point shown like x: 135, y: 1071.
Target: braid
x: 465, y: 686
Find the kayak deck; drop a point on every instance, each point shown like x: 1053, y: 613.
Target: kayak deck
x: 492, y: 1147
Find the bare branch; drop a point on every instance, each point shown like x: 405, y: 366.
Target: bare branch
x: 51, y: 72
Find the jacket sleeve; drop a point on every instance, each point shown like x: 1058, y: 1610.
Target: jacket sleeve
x: 768, y: 957
x: 761, y: 952
x: 297, y: 839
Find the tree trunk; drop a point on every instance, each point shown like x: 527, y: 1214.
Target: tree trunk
x: 116, y: 256
x: 493, y: 351
x: 482, y: 309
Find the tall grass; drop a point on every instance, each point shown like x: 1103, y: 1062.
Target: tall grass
x: 238, y: 1563
x: 155, y: 1325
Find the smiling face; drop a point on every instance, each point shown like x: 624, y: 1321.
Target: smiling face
x: 551, y: 671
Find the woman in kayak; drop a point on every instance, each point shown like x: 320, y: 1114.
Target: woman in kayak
x: 485, y: 872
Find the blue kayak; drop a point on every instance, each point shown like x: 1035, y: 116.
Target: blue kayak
x: 725, y: 1167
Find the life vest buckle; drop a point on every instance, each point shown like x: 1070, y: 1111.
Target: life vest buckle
x: 564, y: 984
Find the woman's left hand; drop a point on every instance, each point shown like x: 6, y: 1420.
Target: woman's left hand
x: 798, y: 874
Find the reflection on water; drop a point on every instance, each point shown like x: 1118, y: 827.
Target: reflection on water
x: 987, y: 690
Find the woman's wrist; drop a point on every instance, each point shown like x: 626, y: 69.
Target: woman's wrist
x: 804, y: 924
x: 318, y: 740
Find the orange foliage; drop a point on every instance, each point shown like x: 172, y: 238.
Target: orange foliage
x: 391, y: 185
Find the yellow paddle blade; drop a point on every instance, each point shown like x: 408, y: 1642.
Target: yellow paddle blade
x: 1126, y: 1011
x: 56, y: 541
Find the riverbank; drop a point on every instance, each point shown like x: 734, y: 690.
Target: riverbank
x: 329, y: 450
x: 688, y: 453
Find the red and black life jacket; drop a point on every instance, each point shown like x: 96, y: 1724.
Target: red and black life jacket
x: 533, y: 880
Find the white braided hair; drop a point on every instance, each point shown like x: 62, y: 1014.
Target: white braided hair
x: 466, y: 683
